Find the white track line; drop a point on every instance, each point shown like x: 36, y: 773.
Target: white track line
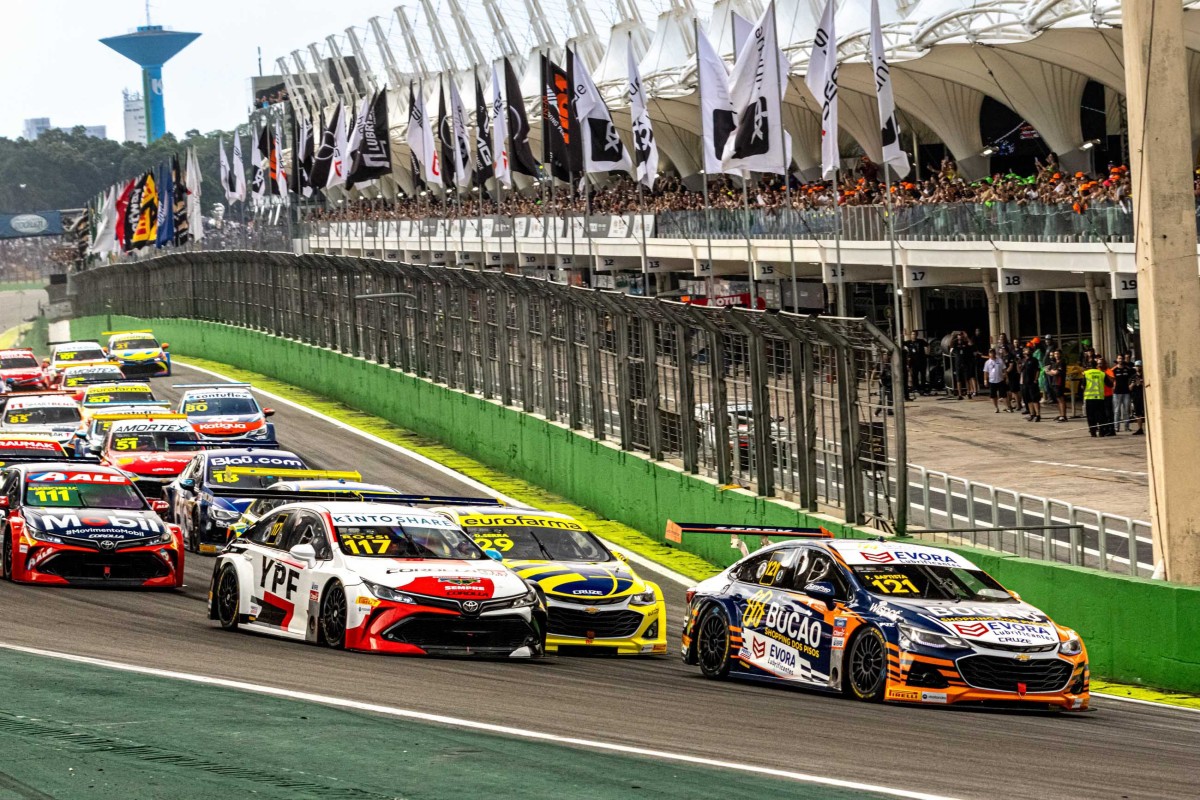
x: 458, y: 722
x: 640, y: 560
x: 1097, y: 469
x: 1141, y: 702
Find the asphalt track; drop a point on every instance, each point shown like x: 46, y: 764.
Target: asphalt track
x: 1120, y: 750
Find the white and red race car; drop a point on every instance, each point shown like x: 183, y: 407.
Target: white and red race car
x: 375, y: 576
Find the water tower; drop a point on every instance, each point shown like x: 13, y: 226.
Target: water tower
x: 150, y: 47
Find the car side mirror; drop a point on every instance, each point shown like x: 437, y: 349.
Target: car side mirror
x: 494, y: 555
x: 159, y: 506
x: 304, y: 552
x: 45, y: 362
x: 166, y: 346
x: 187, y: 483
x: 268, y: 412
x: 821, y: 590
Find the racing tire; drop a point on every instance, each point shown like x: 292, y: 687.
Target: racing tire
x: 712, y: 644
x: 6, y: 558
x: 331, y: 626
x: 866, y: 667
x: 227, y: 598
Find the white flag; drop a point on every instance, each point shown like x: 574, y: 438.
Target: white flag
x: 603, y: 150
x: 645, y: 149
x: 339, y: 163
x: 357, y: 134
x: 500, y: 130
x: 462, y: 145
x: 106, y: 227
x: 757, y: 143
x: 889, y: 127
x: 741, y: 31
x: 717, y: 119
x: 420, y: 137
x: 822, y: 82
x: 225, y: 184
x: 193, y: 182
x: 239, y: 170
x: 281, y: 182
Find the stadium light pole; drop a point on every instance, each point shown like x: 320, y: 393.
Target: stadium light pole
x: 1164, y: 215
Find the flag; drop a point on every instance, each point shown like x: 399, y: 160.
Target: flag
x: 520, y: 154
x: 445, y: 135
x: 318, y: 174
x: 500, y: 167
x: 557, y: 119
x: 373, y: 159
x: 302, y: 151
x: 741, y: 31
x: 105, y: 239
x: 645, y: 150
x: 165, y: 225
x: 279, y: 180
x: 757, y: 143
x: 601, y: 145
x: 822, y: 82
x: 356, y: 137
x: 239, y: 170
x: 226, y: 176
x: 181, y: 219
x: 717, y: 120
x: 145, y: 230
x: 260, y: 159
x: 420, y: 140
x: 889, y: 128
x: 194, y: 182
x: 125, y: 219
x: 462, y: 145
x: 484, y: 156
x: 335, y: 170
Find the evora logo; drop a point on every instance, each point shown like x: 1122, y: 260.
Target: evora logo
x: 977, y: 629
x: 878, y: 558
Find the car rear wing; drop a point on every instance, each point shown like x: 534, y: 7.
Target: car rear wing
x: 738, y: 533
x: 8, y: 461
x: 113, y: 381
x: 211, y: 386
x: 212, y: 444
x: 343, y: 495
x: 122, y: 333
x: 297, y: 474
x: 73, y: 341
x: 148, y: 415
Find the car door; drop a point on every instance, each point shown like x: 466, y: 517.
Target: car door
x: 759, y: 592
x: 183, y: 499
x: 276, y: 578
x: 303, y: 527
x: 811, y: 622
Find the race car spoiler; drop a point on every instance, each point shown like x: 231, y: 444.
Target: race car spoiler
x: 121, y: 333
x: 148, y: 415
x: 353, y: 495
x: 113, y: 381
x: 6, y: 461
x: 297, y: 474
x: 211, y: 386
x: 73, y: 341
x: 737, y: 533
x: 212, y: 444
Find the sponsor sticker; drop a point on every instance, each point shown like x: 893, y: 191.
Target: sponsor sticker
x: 519, y: 520
x: 933, y: 697
x: 103, y: 478
x: 428, y: 521
x: 905, y: 695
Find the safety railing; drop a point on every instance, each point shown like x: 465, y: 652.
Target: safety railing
x: 784, y: 405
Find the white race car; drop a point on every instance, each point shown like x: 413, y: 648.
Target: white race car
x: 378, y: 577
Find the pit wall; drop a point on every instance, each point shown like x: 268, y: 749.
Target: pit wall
x: 1137, y: 631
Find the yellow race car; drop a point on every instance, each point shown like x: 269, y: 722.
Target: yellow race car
x: 594, y: 598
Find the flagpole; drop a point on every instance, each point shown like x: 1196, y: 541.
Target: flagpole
x: 749, y: 246
x: 842, y: 305
x: 709, y: 280
x: 482, y: 242
x: 645, y: 263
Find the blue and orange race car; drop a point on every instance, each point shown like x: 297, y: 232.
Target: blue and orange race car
x: 879, y: 621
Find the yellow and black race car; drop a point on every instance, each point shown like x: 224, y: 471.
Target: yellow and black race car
x: 594, y: 598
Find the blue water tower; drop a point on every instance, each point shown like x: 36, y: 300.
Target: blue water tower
x: 150, y: 47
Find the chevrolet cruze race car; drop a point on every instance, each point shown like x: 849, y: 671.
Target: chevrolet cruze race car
x: 20, y: 370
x: 226, y: 412
x: 151, y: 452
x: 594, y: 599
x: 99, y: 396
x: 328, y: 485
x: 138, y: 352
x: 54, y: 414
x: 881, y: 621
x: 208, y: 497
x: 72, y: 354
x: 66, y: 523
x: 74, y: 380
x: 375, y: 577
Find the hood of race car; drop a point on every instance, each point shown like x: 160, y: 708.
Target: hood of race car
x: 580, y: 580
x: 137, y: 355
x: 159, y: 465
x: 93, y: 525
x: 458, y: 580
x: 226, y: 426
x: 984, y: 623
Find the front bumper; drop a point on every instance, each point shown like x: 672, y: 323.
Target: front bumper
x: 622, y: 629
x: 147, y: 566
x: 988, y: 677
x: 148, y: 368
x: 404, y: 629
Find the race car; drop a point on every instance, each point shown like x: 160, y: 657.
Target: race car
x: 207, y: 498
x: 24, y: 446
x: 66, y: 523
x: 594, y: 599
x: 55, y: 414
x: 71, y: 354
x: 226, y: 412
x: 152, y: 451
x: 343, y: 485
x: 138, y: 352
x: 376, y: 577
x: 20, y: 370
x: 90, y: 435
x: 73, y: 380
x: 881, y: 621
x: 101, y: 396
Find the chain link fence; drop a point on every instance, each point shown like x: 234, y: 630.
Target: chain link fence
x: 786, y: 406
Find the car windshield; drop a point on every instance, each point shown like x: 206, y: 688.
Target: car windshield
x: 930, y: 583
x: 100, y: 373
x: 239, y: 406
x: 142, y: 343
x: 45, y: 415
x: 82, y: 494
x: 408, y: 541
x: 551, y: 544
x: 118, y: 396
x: 81, y: 354
x: 157, y: 442
x: 18, y: 362
x: 24, y: 448
x: 219, y: 474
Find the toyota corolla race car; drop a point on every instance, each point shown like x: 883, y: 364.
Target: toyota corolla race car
x: 138, y: 352
x: 328, y: 485
x: 74, y: 380
x: 66, y: 523
x: 20, y: 370
x: 208, y: 497
x: 72, y: 354
x: 376, y: 577
x: 881, y: 621
x: 54, y: 414
x: 226, y: 412
x: 593, y: 598
x: 151, y: 452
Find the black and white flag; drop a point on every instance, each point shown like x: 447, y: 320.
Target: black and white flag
x: 338, y: 149
x: 889, y: 128
x: 373, y: 157
x: 757, y: 142
x: 500, y: 167
x: 462, y: 145
x: 420, y: 140
x: 603, y: 150
x: 260, y: 163
x: 822, y: 82
x: 226, y: 184
x: 645, y: 150
x: 238, y: 179
x: 485, y: 157
x: 520, y: 153
x: 445, y: 134
x: 717, y: 120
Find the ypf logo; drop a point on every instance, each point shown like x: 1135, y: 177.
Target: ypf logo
x: 975, y: 629
x: 879, y: 558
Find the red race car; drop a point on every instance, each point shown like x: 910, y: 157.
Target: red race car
x: 151, y: 451
x: 73, y: 523
x: 21, y: 370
